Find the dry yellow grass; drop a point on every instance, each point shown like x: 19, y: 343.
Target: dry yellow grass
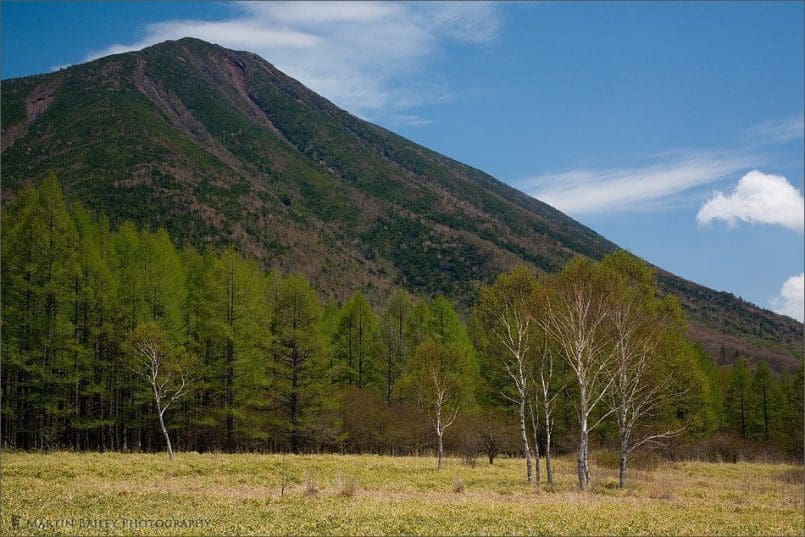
x: 273, y: 495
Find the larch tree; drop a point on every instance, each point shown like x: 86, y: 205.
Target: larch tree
x: 792, y: 413
x: 301, y: 374
x: 237, y: 316
x: 133, y: 310
x: 356, y: 340
x: 417, y: 327
x: 164, y: 283
x: 40, y: 244
x: 765, y: 399
x: 737, y: 397
x: 95, y: 316
x: 393, y: 337
x: 155, y: 290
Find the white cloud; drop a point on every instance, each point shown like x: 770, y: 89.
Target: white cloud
x: 778, y: 130
x: 368, y: 57
x: 585, y: 191
x: 758, y: 198
x: 791, y: 299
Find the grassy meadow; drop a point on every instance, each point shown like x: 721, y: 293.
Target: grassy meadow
x: 216, y: 494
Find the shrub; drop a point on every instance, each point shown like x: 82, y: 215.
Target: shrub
x: 310, y: 488
x: 346, y: 487
x: 647, y: 460
x: 606, y: 459
x: 793, y: 476
x: 730, y: 447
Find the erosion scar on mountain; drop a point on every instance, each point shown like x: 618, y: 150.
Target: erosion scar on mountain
x: 220, y: 147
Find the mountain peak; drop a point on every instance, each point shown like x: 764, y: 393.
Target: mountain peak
x: 220, y: 147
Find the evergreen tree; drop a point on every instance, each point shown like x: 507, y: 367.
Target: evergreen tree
x: 95, y: 315
x: 300, y: 373
x: 792, y: 393
x: 236, y: 319
x: 275, y: 371
x: 40, y: 246
x: 737, y: 402
x: 417, y: 327
x: 763, y: 399
x: 164, y: 284
x: 356, y: 341
x: 393, y: 338
x: 444, y: 325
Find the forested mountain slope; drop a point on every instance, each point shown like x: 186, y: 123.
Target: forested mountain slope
x: 220, y: 147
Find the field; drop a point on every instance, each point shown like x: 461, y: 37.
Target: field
x: 112, y: 493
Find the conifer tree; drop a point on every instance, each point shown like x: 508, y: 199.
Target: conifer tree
x: 235, y: 317
x: 393, y: 337
x: 40, y: 246
x: 737, y: 400
x: 356, y: 341
x: 301, y: 376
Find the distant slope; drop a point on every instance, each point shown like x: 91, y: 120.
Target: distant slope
x: 219, y: 146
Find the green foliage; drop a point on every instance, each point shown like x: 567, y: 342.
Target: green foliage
x: 512, y: 298
x: 394, y: 340
x: 220, y: 148
x: 301, y: 366
x: 275, y: 370
x: 762, y: 406
x: 426, y: 260
x: 356, y: 343
x: 40, y: 243
x: 235, y: 317
x: 439, y: 375
x: 737, y: 394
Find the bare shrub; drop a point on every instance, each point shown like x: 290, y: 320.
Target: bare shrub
x: 792, y: 476
x: 310, y: 488
x: 730, y: 447
x: 606, y: 458
x: 489, y: 435
x: 346, y: 487
x: 647, y: 460
x: 662, y: 493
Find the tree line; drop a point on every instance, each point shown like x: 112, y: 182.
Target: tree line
x: 119, y: 340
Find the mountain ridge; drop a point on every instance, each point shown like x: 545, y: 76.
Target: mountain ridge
x: 219, y: 146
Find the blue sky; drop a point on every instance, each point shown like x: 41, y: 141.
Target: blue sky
x: 673, y: 129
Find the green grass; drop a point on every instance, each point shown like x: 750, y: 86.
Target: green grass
x: 243, y: 494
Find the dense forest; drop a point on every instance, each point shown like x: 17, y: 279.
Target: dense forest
x: 222, y: 149
x: 249, y: 360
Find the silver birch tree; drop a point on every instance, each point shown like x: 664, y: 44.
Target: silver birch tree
x: 167, y: 382
x: 575, y: 311
x: 506, y: 313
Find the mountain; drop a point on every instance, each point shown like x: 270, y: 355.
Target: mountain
x: 221, y: 147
